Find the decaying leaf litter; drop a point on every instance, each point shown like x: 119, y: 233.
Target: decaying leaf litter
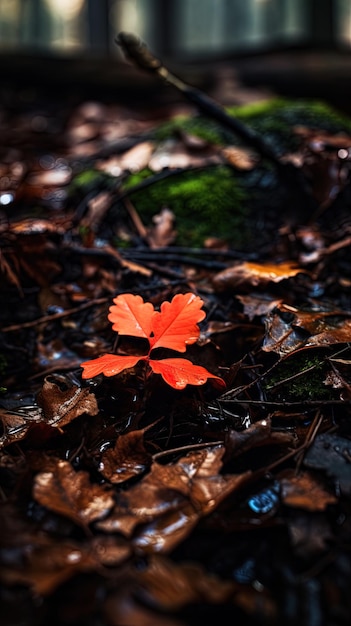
x: 124, y: 500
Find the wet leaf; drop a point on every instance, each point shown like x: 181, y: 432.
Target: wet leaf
x: 70, y: 493
x: 109, y: 365
x: 258, y: 434
x: 61, y: 406
x: 172, y: 586
x: 130, y: 315
x: 169, y: 501
x: 176, y: 325
x: 127, y: 459
x: 48, y: 566
x: 178, y: 373
x: 289, y: 328
x: 304, y: 491
x: 16, y: 424
x: 110, y: 551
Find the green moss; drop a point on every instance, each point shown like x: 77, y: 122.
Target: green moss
x: 90, y: 179
x: 315, y: 110
x: 200, y: 126
x: 274, y: 117
x: 207, y: 203
x: 278, y: 117
x: 305, y: 373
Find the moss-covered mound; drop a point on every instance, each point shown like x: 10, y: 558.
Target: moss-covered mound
x: 274, y: 118
x: 218, y: 200
x: 206, y: 203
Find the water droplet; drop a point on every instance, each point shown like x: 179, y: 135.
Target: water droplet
x: 342, y: 153
x: 6, y: 198
x: 74, y: 557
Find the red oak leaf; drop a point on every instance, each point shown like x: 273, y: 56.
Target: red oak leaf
x: 109, y: 364
x: 179, y: 373
x: 175, y: 326
x: 131, y: 315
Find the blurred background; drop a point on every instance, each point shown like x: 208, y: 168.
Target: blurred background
x: 293, y: 47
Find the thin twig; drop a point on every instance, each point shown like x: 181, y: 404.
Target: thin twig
x: 194, y: 446
x: 310, y: 437
x: 55, y: 316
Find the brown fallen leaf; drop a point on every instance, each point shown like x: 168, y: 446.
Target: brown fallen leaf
x: 339, y: 376
x: 171, y: 586
x: 16, y: 423
x: 162, y: 232
x: 127, y: 459
x: 169, y: 501
x: 98, y: 206
x: 303, y: 491
x: 289, y: 328
x: 70, y: 493
x: 256, y: 305
x: 174, y: 585
x: 240, y: 158
x: 138, y: 157
x: 61, y: 406
x: 248, y: 275
x: 48, y: 566
x: 258, y: 434
x: 173, y: 154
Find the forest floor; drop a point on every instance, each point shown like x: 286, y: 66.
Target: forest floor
x: 147, y: 493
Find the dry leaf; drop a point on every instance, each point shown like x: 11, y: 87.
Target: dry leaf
x: 257, y: 306
x: 162, y: 233
x: 240, y: 158
x: 248, y: 274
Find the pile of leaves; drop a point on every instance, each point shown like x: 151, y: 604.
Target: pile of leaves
x: 139, y: 487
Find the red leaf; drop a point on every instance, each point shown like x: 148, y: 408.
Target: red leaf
x: 109, y: 364
x: 175, y: 326
x: 131, y: 315
x: 178, y: 373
